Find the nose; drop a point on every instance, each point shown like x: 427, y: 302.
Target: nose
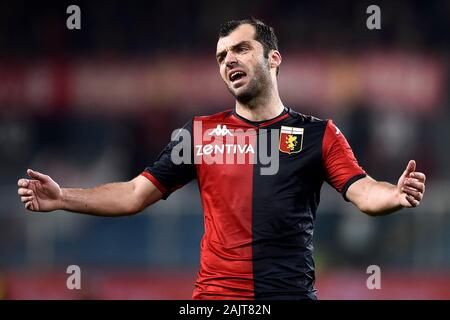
x: 230, y: 59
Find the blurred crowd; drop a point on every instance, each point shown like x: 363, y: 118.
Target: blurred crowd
x: 118, y: 27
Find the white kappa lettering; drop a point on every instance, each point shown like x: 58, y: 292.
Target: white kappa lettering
x: 221, y: 131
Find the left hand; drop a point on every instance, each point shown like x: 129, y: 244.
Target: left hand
x: 411, y: 186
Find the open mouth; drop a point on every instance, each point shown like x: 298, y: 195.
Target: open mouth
x: 236, y: 75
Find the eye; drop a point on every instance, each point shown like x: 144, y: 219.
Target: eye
x: 220, y: 58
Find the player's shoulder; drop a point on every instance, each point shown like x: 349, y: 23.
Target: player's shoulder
x: 307, y: 119
x: 219, y: 116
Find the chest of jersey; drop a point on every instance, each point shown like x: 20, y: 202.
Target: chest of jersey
x: 286, y: 155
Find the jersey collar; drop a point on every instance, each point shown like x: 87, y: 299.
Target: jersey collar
x: 264, y: 123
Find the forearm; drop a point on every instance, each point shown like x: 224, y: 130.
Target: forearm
x: 382, y: 199
x: 113, y: 199
x: 373, y: 197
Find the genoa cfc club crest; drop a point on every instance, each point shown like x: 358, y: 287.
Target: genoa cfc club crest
x: 291, y: 139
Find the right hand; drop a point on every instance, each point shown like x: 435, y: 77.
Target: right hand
x: 41, y: 193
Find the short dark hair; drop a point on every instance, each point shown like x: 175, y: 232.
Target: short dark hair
x: 264, y: 34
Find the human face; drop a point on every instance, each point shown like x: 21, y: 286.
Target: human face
x: 243, y: 67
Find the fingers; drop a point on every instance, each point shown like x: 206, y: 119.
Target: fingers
x: 415, y: 184
x: 411, y: 167
x: 26, y: 196
x: 413, y: 193
x: 23, y: 183
x: 37, y: 175
x: 26, y: 199
x: 419, y: 176
x: 414, y: 189
x: 29, y: 205
x: 24, y: 192
x: 413, y: 202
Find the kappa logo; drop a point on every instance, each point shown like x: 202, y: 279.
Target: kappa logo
x: 221, y: 131
x: 291, y: 139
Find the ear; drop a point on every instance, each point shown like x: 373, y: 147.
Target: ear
x: 274, y: 59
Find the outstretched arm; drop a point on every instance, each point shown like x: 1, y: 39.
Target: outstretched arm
x: 380, y: 198
x: 43, y: 194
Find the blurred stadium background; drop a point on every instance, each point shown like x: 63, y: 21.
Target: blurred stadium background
x: 98, y: 104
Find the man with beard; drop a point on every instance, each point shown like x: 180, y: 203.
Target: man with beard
x: 258, y: 241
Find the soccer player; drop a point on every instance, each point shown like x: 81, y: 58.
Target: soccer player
x: 258, y: 240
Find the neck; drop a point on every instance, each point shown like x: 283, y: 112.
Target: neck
x: 263, y: 107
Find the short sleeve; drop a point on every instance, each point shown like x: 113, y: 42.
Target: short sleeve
x: 168, y: 176
x: 341, y: 167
